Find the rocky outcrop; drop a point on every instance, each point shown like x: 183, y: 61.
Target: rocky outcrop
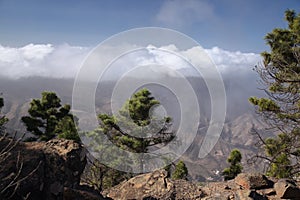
x: 64, y: 163
x: 155, y: 185
x: 253, y: 181
x: 51, y: 170
x: 250, y: 186
x: 40, y: 170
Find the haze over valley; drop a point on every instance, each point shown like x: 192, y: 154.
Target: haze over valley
x: 170, y: 99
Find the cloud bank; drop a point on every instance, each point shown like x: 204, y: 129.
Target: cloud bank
x: 228, y: 62
x: 64, y: 61
x: 46, y: 60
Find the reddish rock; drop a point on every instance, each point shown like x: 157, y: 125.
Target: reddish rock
x: 252, y: 181
x: 41, y: 170
x: 155, y: 185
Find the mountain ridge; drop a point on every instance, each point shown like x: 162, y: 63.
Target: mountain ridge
x: 236, y: 131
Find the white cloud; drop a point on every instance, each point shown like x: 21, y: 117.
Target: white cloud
x: 179, y: 13
x: 38, y: 51
x: 228, y: 61
x: 41, y: 60
x: 64, y: 61
x: 234, y: 64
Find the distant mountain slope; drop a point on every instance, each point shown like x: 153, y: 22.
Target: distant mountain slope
x: 239, y: 119
x: 235, y: 134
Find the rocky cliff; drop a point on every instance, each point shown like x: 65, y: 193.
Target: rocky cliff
x: 40, y: 170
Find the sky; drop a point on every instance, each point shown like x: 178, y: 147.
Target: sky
x: 234, y: 25
x: 50, y: 38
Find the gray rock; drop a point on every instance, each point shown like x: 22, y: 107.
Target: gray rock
x: 252, y: 181
x: 287, y: 189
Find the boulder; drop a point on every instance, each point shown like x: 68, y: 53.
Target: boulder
x: 155, y: 185
x: 22, y: 171
x: 64, y: 159
x: 64, y: 163
x: 252, y: 181
x: 267, y: 192
x: 41, y: 170
x: 286, y: 189
x: 249, y: 195
x: 151, y: 185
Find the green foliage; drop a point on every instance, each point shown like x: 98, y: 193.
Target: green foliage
x: 101, y: 177
x: 127, y: 130
x: 113, y: 177
x: 168, y: 166
x: 48, y: 118
x: 134, y: 116
x: 3, y: 119
x: 264, y: 104
x: 281, y: 110
x: 66, y: 128
x: 139, y: 106
x: 275, y: 148
x: 235, y: 167
x: 180, y: 172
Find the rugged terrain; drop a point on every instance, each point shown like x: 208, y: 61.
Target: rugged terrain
x: 51, y: 170
x: 240, y: 119
x: 39, y: 170
x: 248, y: 186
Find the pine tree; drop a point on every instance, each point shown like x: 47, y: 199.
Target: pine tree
x: 134, y: 116
x: 126, y: 130
x: 280, y: 74
x: 48, y: 118
x: 235, y: 167
x: 180, y: 171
